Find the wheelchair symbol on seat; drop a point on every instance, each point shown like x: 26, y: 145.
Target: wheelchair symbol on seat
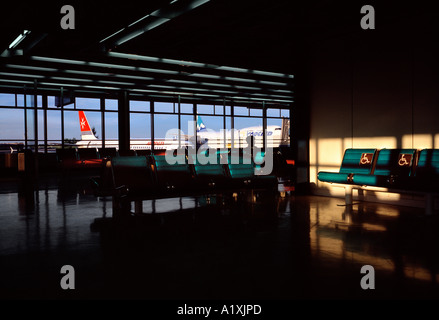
x: 403, y: 161
x: 364, y: 159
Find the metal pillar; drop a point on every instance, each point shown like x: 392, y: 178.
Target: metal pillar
x: 102, y: 105
x: 195, y: 126
x: 25, y: 117
x: 35, y: 117
x: 45, y: 122
x: 152, y: 109
x: 62, y: 117
x: 264, y: 126
x: 232, y: 126
x: 124, y: 122
x: 224, y: 124
x: 179, y: 122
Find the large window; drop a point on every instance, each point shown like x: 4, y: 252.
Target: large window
x: 72, y: 127
x: 88, y: 103
x: 140, y: 125
x: 142, y: 106
x: 53, y: 127
x: 165, y: 130
x: 12, y: 125
x: 111, y: 126
x: 18, y: 114
x: 7, y: 100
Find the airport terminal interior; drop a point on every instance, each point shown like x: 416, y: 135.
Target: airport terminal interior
x: 219, y: 150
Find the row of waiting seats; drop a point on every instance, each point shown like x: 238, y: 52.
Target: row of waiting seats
x: 93, y: 157
x: 405, y: 169
x: 154, y: 176
x: 137, y: 178
x: 85, y: 153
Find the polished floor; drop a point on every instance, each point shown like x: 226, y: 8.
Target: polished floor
x: 217, y: 247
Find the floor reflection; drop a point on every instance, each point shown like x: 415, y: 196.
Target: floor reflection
x: 263, y: 247
x: 401, y: 243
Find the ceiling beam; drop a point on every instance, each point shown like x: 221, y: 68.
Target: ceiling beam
x: 128, y: 82
x: 148, y: 22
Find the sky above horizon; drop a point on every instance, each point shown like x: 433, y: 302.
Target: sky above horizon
x: 12, y: 119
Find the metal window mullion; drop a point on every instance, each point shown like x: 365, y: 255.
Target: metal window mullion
x: 44, y: 97
x: 35, y: 117
x: 25, y: 118
x: 62, y: 117
x: 179, y: 122
x: 232, y: 125
x: 195, y: 112
x: 224, y: 123
x: 152, y: 126
x: 264, y: 125
x: 102, y: 105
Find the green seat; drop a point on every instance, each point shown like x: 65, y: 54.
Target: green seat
x: 243, y: 172
x: 355, y: 161
x: 263, y: 177
x: 393, y: 167
x: 175, y: 176
x: 211, y: 175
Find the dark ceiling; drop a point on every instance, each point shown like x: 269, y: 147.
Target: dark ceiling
x: 276, y: 35
x: 270, y: 35
x: 255, y: 34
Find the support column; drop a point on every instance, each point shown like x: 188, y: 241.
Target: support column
x: 195, y: 126
x: 224, y: 124
x: 25, y: 118
x: 102, y: 105
x: 179, y: 122
x: 124, y: 122
x: 45, y: 122
x: 152, y: 108
x: 35, y: 118
x: 232, y: 125
x: 264, y: 126
x: 62, y: 117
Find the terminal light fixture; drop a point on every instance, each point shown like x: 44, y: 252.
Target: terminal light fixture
x: 20, y: 38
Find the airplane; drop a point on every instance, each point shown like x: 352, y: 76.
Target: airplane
x: 89, y: 140
x: 205, y: 136
x: 216, y: 139
x: 11, y: 147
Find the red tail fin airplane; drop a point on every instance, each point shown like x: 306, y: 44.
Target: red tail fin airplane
x: 89, y: 140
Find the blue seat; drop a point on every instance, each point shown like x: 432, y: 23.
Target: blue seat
x: 243, y: 170
x: 263, y: 177
x: 355, y: 161
x: 173, y: 177
x: 392, y: 169
x: 209, y: 175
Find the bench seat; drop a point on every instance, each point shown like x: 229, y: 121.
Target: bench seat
x: 396, y: 171
x: 392, y: 169
x: 355, y: 161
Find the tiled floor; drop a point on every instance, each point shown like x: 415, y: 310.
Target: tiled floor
x: 298, y: 247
